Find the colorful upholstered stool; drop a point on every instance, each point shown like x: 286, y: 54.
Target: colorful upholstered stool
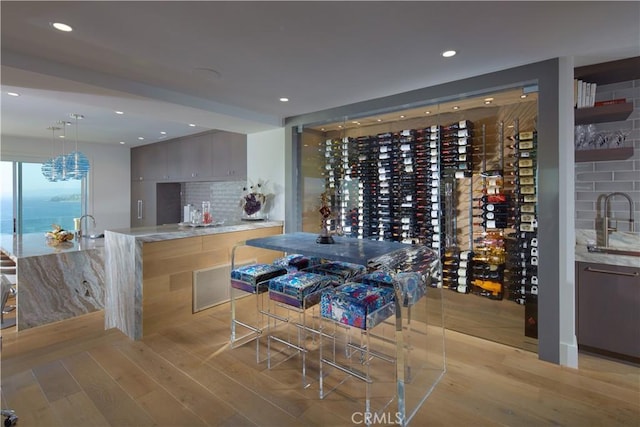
x: 361, y: 306
x: 296, y: 293
x: 412, y: 285
x: 343, y: 270
x: 296, y: 262
x: 253, y: 279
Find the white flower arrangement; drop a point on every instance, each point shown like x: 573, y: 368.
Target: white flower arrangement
x: 254, y: 198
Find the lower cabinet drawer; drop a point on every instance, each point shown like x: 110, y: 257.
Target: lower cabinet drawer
x: 608, y: 308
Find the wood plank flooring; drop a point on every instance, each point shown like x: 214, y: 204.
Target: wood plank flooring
x: 74, y: 373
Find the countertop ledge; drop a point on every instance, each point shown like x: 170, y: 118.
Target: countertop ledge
x: 176, y: 231
x: 583, y: 255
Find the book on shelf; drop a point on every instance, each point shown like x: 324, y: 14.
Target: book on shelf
x: 610, y: 102
x: 584, y: 93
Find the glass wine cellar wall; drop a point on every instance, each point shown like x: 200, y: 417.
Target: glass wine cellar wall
x: 460, y: 177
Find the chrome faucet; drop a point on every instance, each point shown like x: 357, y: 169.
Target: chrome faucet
x: 605, y: 223
x: 83, y: 217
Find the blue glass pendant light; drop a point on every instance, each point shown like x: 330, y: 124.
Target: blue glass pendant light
x: 76, y: 163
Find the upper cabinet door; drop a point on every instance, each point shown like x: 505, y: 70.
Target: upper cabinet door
x: 149, y: 162
x: 229, y: 159
x: 189, y: 158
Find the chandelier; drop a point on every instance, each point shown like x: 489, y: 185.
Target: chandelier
x: 74, y: 165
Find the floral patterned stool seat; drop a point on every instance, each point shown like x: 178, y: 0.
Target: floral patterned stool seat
x: 293, y: 295
x: 297, y: 262
x: 343, y: 270
x: 361, y: 306
x: 253, y: 279
x: 411, y: 284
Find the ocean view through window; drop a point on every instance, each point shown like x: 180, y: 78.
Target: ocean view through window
x: 38, y: 202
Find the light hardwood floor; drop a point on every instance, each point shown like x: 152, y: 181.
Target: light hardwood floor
x: 74, y: 373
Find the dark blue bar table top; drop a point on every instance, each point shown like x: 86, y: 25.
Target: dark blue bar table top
x: 348, y: 249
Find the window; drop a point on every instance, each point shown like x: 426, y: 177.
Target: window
x: 37, y: 202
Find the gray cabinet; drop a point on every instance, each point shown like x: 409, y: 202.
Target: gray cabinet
x: 608, y: 309
x: 149, y: 162
x: 189, y: 159
x: 229, y: 157
x: 143, y: 203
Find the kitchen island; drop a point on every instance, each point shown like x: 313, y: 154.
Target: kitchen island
x: 152, y: 272
x: 56, y: 281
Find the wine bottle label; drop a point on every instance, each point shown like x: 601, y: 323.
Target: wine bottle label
x: 433, y: 144
x: 327, y: 142
x: 462, y: 133
x: 408, y: 161
x: 434, y: 152
x: 462, y: 280
x: 462, y: 149
x: 433, y: 128
x: 434, y: 214
x: 490, y: 224
x: 525, y: 136
x: 526, y: 227
x: 433, y: 136
x: 435, y: 245
x: 462, y: 141
x: 434, y: 167
x: 527, y: 180
x: 525, y: 163
x: 489, y: 207
x: 529, y: 189
x: 459, y: 174
x: 462, y: 272
x: 528, y: 208
x: 527, y: 218
x: 406, y: 133
x: 434, y: 222
x: 493, y: 190
x: 384, y: 156
x: 526, y: 172
x: 525, y: 145
x: 530, y: 198
x: 463, y: 264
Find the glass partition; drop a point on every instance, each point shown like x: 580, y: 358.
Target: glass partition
x: 459, y: 176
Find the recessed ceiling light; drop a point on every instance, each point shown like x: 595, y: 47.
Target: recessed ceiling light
x: 448, y: 53
x: 488, y: 99
x: 427, y: 112
x: 487, y: 102
x: 523, y: 96
x: 62, y: 27
x: 60, y: 136
x: 192, y: 125
x: 119, y: 112
x: 322, y: 129
x: 456, y: 108
x: 355, y: 123
x: 284, y: 99
x: 122, y: 142
x: 510, y: 126
x: 402, y: 117
x: 163, y: 133
x: 13, y: 94
x: 340, y: 126
x: 379, y: 120
x: 140, y: 138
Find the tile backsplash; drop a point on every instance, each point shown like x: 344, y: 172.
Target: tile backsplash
x: 224, y: 197
x: 592, y: 179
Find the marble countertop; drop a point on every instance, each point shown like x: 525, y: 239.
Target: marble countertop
x: 177, y: 231
x: 36, y: 244
x: 618, y: 240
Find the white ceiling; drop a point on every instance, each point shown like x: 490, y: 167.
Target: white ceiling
x: 152, y: 60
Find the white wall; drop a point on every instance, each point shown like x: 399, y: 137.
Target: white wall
x: 265, y: 161
x: 109, y: 182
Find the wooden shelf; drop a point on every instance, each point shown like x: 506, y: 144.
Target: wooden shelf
x: 610, y: 72
x: 603, y: 114
x: 604, y: 154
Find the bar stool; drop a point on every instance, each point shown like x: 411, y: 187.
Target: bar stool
x: 7, y: 288
x: 252, y: 279
x: 340, y: 269
x: 400, y: 281
x: 296, y: 292
x: 359, y: 306
x: 297, y: 262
